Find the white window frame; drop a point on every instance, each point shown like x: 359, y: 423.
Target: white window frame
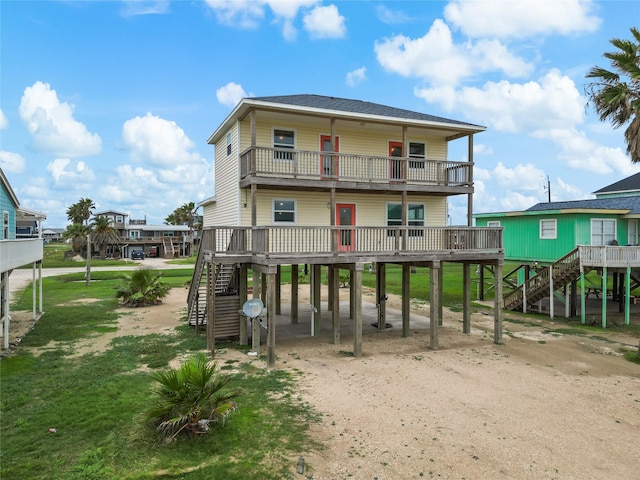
x: 119, y: 218
x: 280, y: 155
x: 5, y: 225
x: 274, y: 210
x: 229, y: 143
x: 493, y: 223
x: 418, y: 164
x: 412, y: 233
x: 633, y: 232
x: 549, y: 225
x: 605, y: 237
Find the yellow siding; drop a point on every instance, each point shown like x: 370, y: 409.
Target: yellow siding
x: 225, y: 211
x: 312, y: 208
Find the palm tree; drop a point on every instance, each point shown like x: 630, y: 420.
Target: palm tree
x: 191, y: 397
x: 142, y: 287
x: 78, y: 235
x: 103, y: 234
x: 86, y: 207
x: 615, y: 94
x: 74, y: 215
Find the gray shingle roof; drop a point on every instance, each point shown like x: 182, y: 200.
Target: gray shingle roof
x: 355, y: 106
x: 632, y: 204
x: 626, y: 184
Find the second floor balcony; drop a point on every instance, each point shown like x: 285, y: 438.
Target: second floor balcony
x: 304, y: 168
x: 16, y: 253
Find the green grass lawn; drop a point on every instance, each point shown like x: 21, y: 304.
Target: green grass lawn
x: 94, y: 402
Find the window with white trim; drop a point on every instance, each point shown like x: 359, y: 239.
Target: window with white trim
x: 549, y: 229
x: 228, y: 144
x: 415, y: 217
x: 603, y: 231
x: 5, y: 225
x: 493, y: 223
x: 283, y: 139
x: 417, y: 150
x: 284, y: 211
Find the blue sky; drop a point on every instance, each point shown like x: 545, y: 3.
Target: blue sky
x: 114, y: 100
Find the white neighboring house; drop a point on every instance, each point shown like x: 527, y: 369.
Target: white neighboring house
x: 17, y: 252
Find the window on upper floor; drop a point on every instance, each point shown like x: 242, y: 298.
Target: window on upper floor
x: 119, y: 219
x: 5, y: 225
x: 493, y: 223
x: 283, y: 139
x: 284, y: 211
x: 228, y: 144
x: 548, y: 229
x: 415, y: 217
x: 417, y: 150
x: 603, y: 231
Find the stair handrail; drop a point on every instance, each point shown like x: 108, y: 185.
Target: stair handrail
x: 205, y: 244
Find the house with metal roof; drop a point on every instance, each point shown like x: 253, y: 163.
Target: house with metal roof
x: 335, y: 184
x: 18, y: 249
x: 571, y: 236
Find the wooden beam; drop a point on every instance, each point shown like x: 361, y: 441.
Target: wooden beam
x: 294, y: 293
x: 433, y: 307
x: 335, y: 307
x: 470, y: 194
x: 211, y: 306
x: 381, y: 294
x: 278, y: 289
x: 406, y: 299
x: 271, y: 320
x: 255, y: 325
x: 497, y: 306
x: 254, y: 205
x: 316, y: 300
x: 242, y: 291
x: 466, y: 298
x: 357, y: 319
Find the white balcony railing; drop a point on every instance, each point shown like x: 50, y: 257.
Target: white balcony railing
x: 609, y: 256
x: 16, y: 253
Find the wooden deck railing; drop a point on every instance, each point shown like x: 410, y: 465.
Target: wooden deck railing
x: 271, y: 240
x: 315, y: 165
x: 609, y: 256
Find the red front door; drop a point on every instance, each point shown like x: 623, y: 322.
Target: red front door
x: 346, y: 216
x: 329, y: 168
x: 395, y: 166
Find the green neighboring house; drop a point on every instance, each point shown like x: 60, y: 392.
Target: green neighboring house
x: 547, y: 231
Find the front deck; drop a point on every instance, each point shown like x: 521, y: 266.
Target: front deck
x: 303, y: 169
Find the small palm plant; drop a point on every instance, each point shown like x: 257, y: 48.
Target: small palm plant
x: 142, y: 287
x: 190, y: 398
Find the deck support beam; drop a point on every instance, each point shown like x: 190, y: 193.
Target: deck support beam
x: 466, y: 298
x: 316, y: 300
x: 211, y: 305
x: 271, y: 319
x: 294, y: 293
x: 381, y: 294
x: 278, y: 289
x: 242, y: 292
x: 497, y: 306
x: 255, y: 324
x: 406, y: 298
x: 335, y: 307
x: 434, y: 293
x: 357, y: 318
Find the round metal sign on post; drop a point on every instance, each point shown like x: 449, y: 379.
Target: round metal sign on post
x: 252, y: 308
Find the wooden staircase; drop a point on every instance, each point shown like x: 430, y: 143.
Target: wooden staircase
x: 167, y: 244
x: 563, y: 271
x: 227, y: 300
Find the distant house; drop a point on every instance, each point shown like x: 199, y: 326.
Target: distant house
x: 53, y: 234
x: 338, y: 184
x: 17, y: 249
x: 167, y: 241
x: 579, y: 232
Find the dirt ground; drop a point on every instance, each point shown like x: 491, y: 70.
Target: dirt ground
x: 540, y: 406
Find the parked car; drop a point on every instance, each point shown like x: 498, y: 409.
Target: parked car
x: 137, y: 254
x: 153, y: 252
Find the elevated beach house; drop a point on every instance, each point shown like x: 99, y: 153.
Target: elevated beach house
x: 17, y: 250
x: 558, y: 243
x: 338, y: 184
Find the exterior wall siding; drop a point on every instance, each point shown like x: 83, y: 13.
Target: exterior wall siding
x: 7, y: 205
x: 225, y: 210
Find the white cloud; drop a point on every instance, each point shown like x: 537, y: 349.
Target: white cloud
x: 52, y: 126
x: 521, y: 177
x: 522, y: 18
x: 391, y: 17
x: 516, y: 201
x: 535, y: 106
x: 435, y: 57
x: 12, y: 162
x: 145, y: 7
x: 325, y: 22
x: 356, y: 76
x: 4, y: 123
x: 70, y: 174
x: 157, y: 141
x: 230, y: 94
x: 238, y: 13
x: 481, y: 149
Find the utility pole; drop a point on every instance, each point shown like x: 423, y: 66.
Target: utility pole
x: 548, y: 188
x: 88, y: 274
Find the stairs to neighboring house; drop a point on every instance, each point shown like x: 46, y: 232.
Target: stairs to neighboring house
x: 227, y: 301
x: 167, y: 244
x: 537, y: 287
